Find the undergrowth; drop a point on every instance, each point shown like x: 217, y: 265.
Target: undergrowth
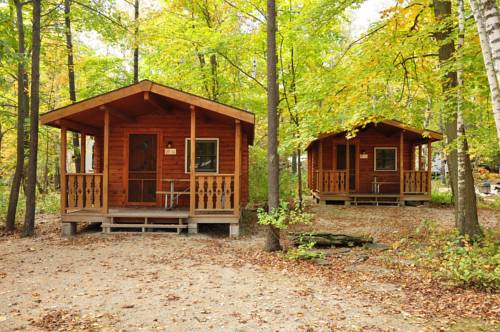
x: 45, y: 203
x: 454, y: 259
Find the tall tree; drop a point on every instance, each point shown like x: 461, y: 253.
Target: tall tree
x: 273, y: 236
x: 469, y: 223
x: 22, y: 97
x: 491, y: 16
x: 491, y: 73
x: 136, y: 41
x: 29, y: 218
x: 71, y: 79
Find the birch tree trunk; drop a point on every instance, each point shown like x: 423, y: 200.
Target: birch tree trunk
x: 442, y: 12
x: 29, y: 218
x: 491, y: 73
x: 22, y: 86
x: 467, y: 221
x: 491, y: 16
x: 273, y: 234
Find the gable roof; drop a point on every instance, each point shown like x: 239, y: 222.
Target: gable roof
x: 147, y: 86
x: 424, y: 133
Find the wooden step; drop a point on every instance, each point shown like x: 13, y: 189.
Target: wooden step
x: 144, y: 225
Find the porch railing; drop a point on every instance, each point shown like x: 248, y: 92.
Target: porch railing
x: 84, y: 191
x: 416, y: 182
x: 214, y: 193
x: 331, y: 181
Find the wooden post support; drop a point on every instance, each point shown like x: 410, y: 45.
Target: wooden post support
x: 192, y: 164
x: 429, y: 168
x: 62, y: 168
x: 347, y: 166
x: 83, y: 152
x: 420, y: 157
x: 401, y: 167
x: 106, y: 162
x: 237, y: 167
x: 320, y: 165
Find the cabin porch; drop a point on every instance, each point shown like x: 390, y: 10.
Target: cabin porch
x: 141, y: 171
x: 346, y: 171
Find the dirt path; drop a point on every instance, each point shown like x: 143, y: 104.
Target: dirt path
x: 149, y: 282
x: 179, y: 283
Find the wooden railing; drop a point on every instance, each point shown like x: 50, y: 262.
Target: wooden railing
x: 416, y: 182
x: 84, y: 191
x: 332, y: 181
x: 214, y: 192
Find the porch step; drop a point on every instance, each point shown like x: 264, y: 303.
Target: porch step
x: 150, y: 223
x: 376, y: 200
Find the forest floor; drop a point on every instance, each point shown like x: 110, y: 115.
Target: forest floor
x: 201, y: 282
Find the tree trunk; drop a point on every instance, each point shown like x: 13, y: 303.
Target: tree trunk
x: 294, y: 163
x: 442, y: 12
x: 45, y: 186
x: 136, y: 41
x: 71, y: 78
x: 273, y: 235
x: 10, y: 224
x: 493, y: 81
x: 467, y: 221
x: 299, y: 178
x: 29, y: 218
x: 491, y: 16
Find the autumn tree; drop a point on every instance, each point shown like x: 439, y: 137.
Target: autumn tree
x: 29, y: 218
x: 273, y: 237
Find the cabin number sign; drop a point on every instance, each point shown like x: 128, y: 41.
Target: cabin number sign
x: 170, y: 152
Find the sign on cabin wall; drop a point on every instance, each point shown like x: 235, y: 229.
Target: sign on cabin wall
x: 363, y: 156
x: 170, y: 152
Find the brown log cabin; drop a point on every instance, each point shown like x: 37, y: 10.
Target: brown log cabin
x: 139, y: 177
x: 382, y: 164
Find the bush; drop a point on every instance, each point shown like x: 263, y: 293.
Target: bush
x: 456, y: 259
x: 472, y: 264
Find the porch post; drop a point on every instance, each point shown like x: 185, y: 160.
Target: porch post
x: 83, y: 152
x: 429, y: 168
x: 237, y: 167
x: 320, y: 162
x: 192, y: 170
x: 105, y: 181
x: 62, y: 169
x: 347, y: 166
x: 420, y: 157
x: 401, y: 168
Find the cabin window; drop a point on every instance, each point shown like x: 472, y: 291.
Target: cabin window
x: 385, y: 159
x: 207, y: 155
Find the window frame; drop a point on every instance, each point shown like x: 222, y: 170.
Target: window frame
x: 395, y: 158
x: 186, y: 153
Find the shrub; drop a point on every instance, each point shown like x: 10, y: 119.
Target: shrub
x: 456, y: 259
x: 283, y: 216
x: 472, y: 264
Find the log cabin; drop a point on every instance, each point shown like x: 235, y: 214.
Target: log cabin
x: 142, y: 173
x: 383, y: 164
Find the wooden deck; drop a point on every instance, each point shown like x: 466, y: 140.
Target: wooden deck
x: 146, y: 219
x: 369, y: 198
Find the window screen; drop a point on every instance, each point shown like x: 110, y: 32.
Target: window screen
x: 206, y: 155
x: 385, y: 159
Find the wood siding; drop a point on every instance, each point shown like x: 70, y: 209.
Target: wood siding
x: 366, y: 141
x: 174, y: 127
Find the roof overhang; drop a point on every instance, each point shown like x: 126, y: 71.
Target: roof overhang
x: 150, y: 91
x: 425, y: 134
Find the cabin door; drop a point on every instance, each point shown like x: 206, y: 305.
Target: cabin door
x: 142, y: 169
x: 342, y: 163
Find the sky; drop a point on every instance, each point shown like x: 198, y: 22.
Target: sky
x: 368, y: 13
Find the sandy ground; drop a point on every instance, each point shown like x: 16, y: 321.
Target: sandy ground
x: 185, y: 283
